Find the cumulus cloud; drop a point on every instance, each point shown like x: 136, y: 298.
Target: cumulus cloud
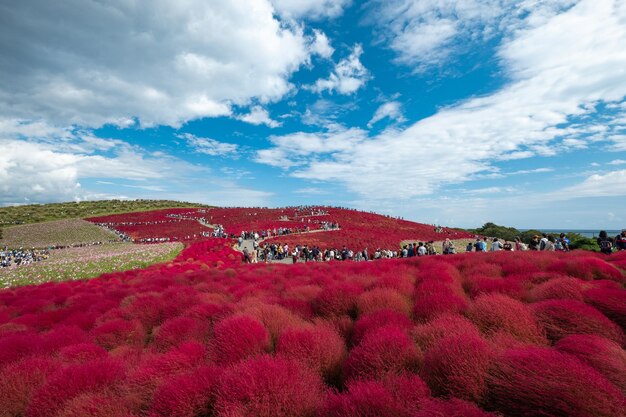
x: 259, y: 116
x: 311, y: 9
x: 295, y: 149
x: 560, y: 67
x: 617, y: 162
x: 428, y: 32
x: 321, y: 44
x: 348, y: 76
x: 391, y: 110
x: 36, y: 171
x: 609, y: 184
x: 148, y: 62
x: 209, y: 146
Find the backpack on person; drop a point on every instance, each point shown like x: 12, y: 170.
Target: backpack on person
x: 606, y: 246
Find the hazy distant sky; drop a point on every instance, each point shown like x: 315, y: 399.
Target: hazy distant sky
x: 441, y: 111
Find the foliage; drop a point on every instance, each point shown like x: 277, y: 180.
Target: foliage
x: 54, y: 233
x: 494, y: 230
x: 205, y: 334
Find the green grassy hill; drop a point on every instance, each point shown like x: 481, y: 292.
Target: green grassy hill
x: 37, y: 213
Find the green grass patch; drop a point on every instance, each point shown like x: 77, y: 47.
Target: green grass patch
x: 36, y: 213
x: 88, y: 262
x: 54, y: 233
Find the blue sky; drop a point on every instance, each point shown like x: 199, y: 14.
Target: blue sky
x: 439, y: 111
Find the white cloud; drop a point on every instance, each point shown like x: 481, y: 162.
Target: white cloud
x: 321, y: 44
x: 611, y: 184
x: 259, y: 116
x: 311, y: 191
x: 295, y: 149
x: 151, y: 62
x: 36, y: 171
x: 559, y: 67
x: 428, y: 32
x: 617, y: 162
x: 209, y: 146
x: 391, y: 110
x: 348, y: 76
x: 311, y: 9
x: 491, y: 190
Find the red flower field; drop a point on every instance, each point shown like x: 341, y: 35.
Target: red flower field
x: 482, y: 334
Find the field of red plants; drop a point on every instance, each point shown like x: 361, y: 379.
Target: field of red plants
x: 472, y: 335
x: 359, y: 230
x: 178, y: 224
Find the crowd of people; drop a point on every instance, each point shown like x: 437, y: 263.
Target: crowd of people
x: 608, y: 245
x: 21, y: 256
x: 546, y: 242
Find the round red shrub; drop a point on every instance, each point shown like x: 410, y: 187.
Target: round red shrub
x: 94, y: 405
x: 154, y: 369
x: 451, y: 408
x: 187, y: 395
x: 428, y: 334
x: 433, y: 299
x: 478, y: 285
x: 382, y: 299
x: 496, y: 312
x: 380, y: 318
x: 338, y: 299
x: 387, y: 350
x: 268, y: 387
x: 457, y: 366
x: 274, y: 317
x: 178, y: 330
x: 19, y: 345
x: 565, y: 288
x: 562, y: 318
x: 237, y: 338
x: 81, y: 353
x: 541, y: 382
x: 604, y: 355
x: 116, y: 333
x: 397, y: 395
x: 319, y: 347
x: 20, y: 380
x: 611, y: 302
x: 72, y: 381
x: 587, y: 268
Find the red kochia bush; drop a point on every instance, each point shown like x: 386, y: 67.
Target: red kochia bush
x: 604, y: 355
x: 397, y: 395
x: 562, y: 318
x: 427, y: 335
x: 493, y: 313
x: 94, y: 405
x: 268, y: 387
x: 18, y: 382
x: 178, y: 330
x: 387, y: 350
x: 380, y: 318
x: 587, y: 268
x: 116, y: 333
x: 72, y: 381
x: 451, y: 408
x: 611, y: 302
x: 81, y: 353
x: 187, y: 395
x: 565, y: 288
x: 237, y: 338
x: 338, y: 299
x: 457, y: 366
x: 319, y: 347
x: 541, y: 382
x: 383, y: 298
x: 432, y: 299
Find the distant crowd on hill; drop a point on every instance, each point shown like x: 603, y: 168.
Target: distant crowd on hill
x: 20, y: 256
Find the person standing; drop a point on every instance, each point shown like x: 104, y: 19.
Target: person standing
x: 605, y: 243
